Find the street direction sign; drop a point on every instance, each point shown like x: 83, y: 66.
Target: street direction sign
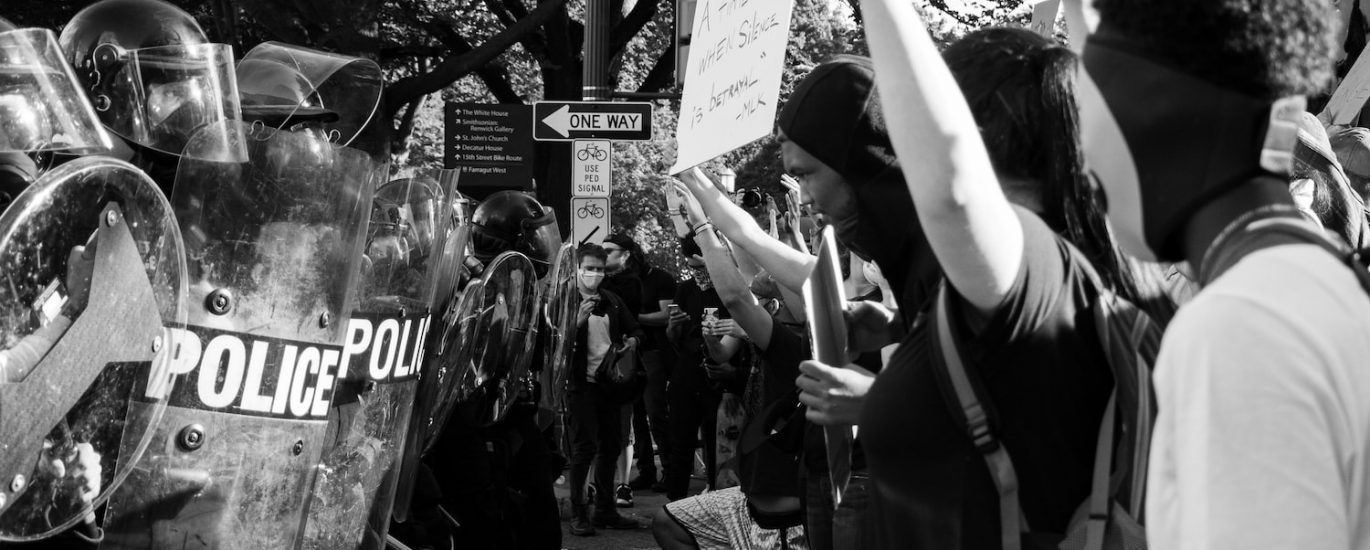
x: 571, y: 120
x: 591, y: 167
x: 589, y: 219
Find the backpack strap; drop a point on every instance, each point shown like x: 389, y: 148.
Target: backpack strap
x: 1099, y: 493
x: 975, y: 418
x: 1267, y: 232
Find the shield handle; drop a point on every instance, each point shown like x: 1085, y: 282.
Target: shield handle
x: 121, y: 323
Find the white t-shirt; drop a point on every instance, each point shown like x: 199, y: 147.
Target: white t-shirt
x: 597, y: 344
x: 1263, y: 389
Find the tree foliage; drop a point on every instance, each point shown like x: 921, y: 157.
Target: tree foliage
x: 520, y: 51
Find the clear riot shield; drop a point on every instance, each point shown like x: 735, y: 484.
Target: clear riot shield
x: 383, y: 357
x: 273, y: 249
x: 559, y: 334
x: 94, y: 269
x: 348, y: 89
x: 438, y: 382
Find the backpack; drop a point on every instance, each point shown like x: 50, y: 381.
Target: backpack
x: 1110, y: 516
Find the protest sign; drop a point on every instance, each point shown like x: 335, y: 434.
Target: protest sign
x: 736, y: 56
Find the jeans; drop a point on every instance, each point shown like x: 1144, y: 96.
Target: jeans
x: 849, y: 527
x: 594, y: 429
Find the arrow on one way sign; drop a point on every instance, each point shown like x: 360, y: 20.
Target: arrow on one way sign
x: 565, y: 121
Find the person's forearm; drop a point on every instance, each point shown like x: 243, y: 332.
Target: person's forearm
x: 654, y: 319
x: 789, y: 266
x: 723, y: 349
x: 725, y: 275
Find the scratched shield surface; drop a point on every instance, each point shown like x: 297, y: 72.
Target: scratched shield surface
x: 351, y: 502
x: 438, y: 382
x: 273, y: 253
x: 91, y: 271
x: 559, y: 333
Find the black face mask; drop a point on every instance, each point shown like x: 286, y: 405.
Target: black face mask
x: 1164, y: 143
x: 888, y: 232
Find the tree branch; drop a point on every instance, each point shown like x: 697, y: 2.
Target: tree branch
x: 622, y: 33
x: 659, y: 78
x: 406, y: 127
x: 405, y: 90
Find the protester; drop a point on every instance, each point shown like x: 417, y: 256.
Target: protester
x: 624, y: 282
x: 765, y: 510
x: 853, y: 180
x: 1005, y: 223
x: 693, y: 400
x: 650, y: 412
x: 605, y: 329
x: 1262, y: 434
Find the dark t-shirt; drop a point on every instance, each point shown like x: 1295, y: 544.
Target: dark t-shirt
x: 628, y: 288
x: 657, y: 285
x: 690, y: 343
x: 770, y: 470
x: 1048, y: 380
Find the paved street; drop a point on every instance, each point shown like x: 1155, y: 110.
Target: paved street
x: 645, y: 505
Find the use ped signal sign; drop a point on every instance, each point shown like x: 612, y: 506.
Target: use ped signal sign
x: 571, y: 120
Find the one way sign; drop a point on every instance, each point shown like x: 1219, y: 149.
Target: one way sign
x: 571, y: 120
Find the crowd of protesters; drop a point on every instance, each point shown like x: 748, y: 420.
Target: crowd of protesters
x: 1019, y: 203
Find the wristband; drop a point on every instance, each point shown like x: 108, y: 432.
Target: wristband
x: 700, y: 229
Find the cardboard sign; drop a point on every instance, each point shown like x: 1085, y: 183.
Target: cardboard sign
x: 1351, y: 94
x: 736, y: 56
x: 1044, y: 17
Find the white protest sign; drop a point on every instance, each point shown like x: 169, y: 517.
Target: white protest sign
x: 1351, y: 94
x: 589, y: 219
x: 1044, y: 17
x: 591, y: 167
x: 736, y: 56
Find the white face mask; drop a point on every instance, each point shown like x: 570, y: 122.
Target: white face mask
x: 591, y: 280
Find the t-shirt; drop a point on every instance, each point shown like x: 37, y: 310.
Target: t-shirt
x: 1040, y: 361
x: 627, y: 287
x: 770, y: 469
x: 1263, y: 393
x: 657, y: 285
x: 597, y: 344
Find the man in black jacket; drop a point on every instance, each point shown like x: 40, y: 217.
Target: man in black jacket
x: 605, y: 329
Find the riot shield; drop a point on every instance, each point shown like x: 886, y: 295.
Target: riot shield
x: 82, y: 333
x: 346, y: 89
x: 273, y: 249
x: 559, y: 334
x: 384, y: 358
x: 437, y: 384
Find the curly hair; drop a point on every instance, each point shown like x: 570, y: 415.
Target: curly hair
x: 1265, y: 48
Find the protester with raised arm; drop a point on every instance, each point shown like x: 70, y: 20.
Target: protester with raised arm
x: 1017, y: 235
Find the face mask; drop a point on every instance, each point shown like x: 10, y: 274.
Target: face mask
x: 591, y: 279
x: 1163, y: 143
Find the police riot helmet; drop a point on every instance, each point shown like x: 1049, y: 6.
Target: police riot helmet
x: 41, y: 105
x: 152, y: 74
x: 515, y: 221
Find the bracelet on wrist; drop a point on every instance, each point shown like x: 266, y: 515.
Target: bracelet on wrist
x: 698, y: 229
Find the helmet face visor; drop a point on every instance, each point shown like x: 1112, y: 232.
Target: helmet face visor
x: 347, y: 88
x: 160, y: 97
x: 41, y: 106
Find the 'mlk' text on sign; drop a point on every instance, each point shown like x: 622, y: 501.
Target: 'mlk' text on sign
x: 571, y: 120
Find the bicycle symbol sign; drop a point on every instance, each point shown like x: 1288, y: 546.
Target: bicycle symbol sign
x: 591, y: 167
x: 589, y: 219
x: 590, y: 210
